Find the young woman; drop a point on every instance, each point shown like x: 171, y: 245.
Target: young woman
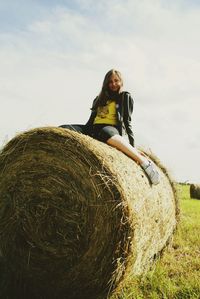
x: 110, y: 120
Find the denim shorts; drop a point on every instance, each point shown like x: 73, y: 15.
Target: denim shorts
x: 103, y: 132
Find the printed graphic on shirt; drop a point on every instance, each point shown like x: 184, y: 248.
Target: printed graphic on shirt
x: 102, y: 111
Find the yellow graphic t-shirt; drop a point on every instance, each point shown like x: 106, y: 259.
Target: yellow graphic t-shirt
x: 106, y: 114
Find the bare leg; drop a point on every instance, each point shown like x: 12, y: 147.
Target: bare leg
x: 124, y: 146
x: 121, y: 144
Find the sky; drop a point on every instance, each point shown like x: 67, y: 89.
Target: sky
x: 54, y: 56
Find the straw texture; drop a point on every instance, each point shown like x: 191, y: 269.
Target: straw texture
x: 77, y: 216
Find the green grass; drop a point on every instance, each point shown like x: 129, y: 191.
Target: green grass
x: 177, y: 274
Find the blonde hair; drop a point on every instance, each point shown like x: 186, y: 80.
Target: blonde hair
x: 104, y: 93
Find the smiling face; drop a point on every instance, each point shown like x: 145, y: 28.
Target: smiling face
x: 114, y: 83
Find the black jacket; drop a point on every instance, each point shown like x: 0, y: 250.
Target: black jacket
x: 124, y: 108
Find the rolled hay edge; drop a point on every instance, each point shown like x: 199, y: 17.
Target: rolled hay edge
x: 195, y: 191
x: 79, y: 214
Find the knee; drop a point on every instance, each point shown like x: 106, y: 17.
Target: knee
x: 113, y: 140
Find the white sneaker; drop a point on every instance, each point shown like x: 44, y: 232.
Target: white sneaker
x: 152, y: 173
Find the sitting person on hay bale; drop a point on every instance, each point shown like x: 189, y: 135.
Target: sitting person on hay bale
x: 110, y: 119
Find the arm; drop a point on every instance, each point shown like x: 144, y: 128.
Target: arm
x: 127, y: 116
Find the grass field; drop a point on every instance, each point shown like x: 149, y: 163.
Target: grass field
x: 177, y: 274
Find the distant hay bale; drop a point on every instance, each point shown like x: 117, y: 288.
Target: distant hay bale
x: 195, y: 191
x: 77, y: 216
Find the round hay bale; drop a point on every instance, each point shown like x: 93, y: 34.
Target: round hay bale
x: 77, y: 216
x: 195, y: 191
